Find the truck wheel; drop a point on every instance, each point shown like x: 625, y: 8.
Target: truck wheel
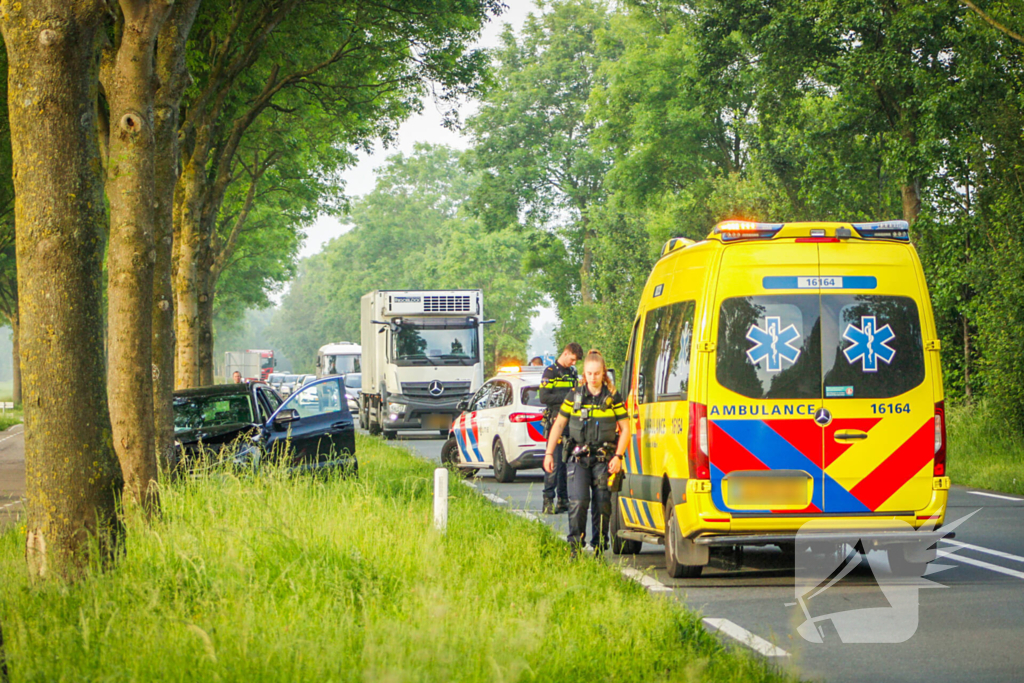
x: 389, y: 434
x: 372, y: 426
x: 620, y: 546
x: 673, y: 539
x: 503, y: 472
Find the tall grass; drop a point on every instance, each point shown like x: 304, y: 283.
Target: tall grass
x: 985, y: 450
x: 273, y: 578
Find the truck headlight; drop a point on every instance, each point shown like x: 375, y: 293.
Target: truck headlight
x: 396, y: 408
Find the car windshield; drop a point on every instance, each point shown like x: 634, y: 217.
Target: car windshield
x: 201, y: 412
x: 435, y: 342
x: 354, y: 380
x: 341, y: 364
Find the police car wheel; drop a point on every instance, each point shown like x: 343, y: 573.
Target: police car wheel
x: 450, y: 459
x: 503, y: 472
x: 674, y: 568
x: 621, y: 546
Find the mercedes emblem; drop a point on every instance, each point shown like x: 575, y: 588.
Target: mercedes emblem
x: 823, y: 417
x: 435, y: 388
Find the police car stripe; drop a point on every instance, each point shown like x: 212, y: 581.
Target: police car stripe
x: 460, y: 439
x: 472, y: 431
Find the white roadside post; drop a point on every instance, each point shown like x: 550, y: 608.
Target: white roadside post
x: 441, y: 498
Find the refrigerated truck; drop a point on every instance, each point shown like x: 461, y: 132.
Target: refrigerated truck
x: 422, y: 354
x: 248, y: 363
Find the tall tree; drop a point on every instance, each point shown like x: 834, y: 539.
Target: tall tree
x: 72, y: 475
x: 128, y: 82
x: 8, y: 267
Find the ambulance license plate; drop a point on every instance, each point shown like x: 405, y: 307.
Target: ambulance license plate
x: 767, y: 491
x: 436, y: 421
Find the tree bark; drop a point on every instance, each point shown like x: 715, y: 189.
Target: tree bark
x: 206, y: 335
x: 911, y: 192
x: 131, y: 188
x: 188, y: 246
x: 15, y: 359
x: 173, y: 76
x: 72, y: 474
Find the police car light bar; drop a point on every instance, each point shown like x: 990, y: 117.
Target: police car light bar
x: 894, y: 230
x: 732, y: 230
x: 509, y: 369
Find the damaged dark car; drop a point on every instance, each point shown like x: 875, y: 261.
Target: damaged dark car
x: 249, y: 424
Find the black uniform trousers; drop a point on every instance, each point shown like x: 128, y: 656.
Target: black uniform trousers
x: 588, y: 488
x: 555, y: 482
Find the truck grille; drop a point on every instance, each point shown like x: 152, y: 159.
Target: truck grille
x: 446, y: 304
x: 422, y: 389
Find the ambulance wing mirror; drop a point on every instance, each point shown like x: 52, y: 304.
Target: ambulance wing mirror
x: 611, y: 376
x: 639, y: 386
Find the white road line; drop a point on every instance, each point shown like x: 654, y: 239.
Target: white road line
x: 12, y: 435
x: 648, y: 582
x: 987, y: 551
x: 996, y: 495
x: 495, y: 499
x: 17, y: 502
x: 986, y: 565
x: 754, y: 642
x: 526, y: 515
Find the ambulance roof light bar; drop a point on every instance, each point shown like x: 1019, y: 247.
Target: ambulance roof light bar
x: 893, y: 230
x: 734, y: 230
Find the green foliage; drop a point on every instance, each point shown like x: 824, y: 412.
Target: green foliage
x: 986, y: 450
x: 410, y: 233
x: 279, y: 578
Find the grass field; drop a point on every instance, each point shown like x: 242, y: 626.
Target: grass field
x: 985, y: 451
x: 288, y: 579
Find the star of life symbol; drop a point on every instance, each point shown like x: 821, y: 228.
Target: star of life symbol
x: 870, y: 344
x: 773, y: 344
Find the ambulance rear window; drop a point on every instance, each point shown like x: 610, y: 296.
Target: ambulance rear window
x: 872, y: 346
x: 769, y: 347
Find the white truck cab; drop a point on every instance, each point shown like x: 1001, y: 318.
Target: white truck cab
x: 339, y: 358
x: 422, y: 354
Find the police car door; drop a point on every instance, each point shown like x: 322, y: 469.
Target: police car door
x: 467, y: 433
x: 492, y: 416
x: 764, y: 381
x: 880, y: 442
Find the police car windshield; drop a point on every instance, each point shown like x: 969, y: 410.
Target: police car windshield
x: 806, y: 346
x: 441, y: 342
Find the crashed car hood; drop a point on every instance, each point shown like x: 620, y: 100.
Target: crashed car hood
x: 215, y: 436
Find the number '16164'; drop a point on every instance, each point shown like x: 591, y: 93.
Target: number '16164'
x: 883, y: 408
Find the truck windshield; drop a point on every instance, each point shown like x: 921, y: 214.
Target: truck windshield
x: 341, y: 364
x: 435, y: 343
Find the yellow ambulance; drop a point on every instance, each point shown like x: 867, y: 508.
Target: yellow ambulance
x: 780, y: 375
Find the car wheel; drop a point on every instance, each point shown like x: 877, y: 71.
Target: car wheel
x: 675, y: 568
x: 503, y: 472
x: 450, y: 459
x: 620, y: 546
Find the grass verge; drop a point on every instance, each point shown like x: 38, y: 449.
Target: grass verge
x: 284, y: 579
x: 985, y: 450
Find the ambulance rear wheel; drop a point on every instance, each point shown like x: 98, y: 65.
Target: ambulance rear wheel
x: 621, y: 546
x: 673, y: 566
x: 503, y: 472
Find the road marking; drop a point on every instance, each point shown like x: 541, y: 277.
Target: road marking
x: 526, y: 515
x: 495, y: 499
x: 987, y: 565
x: 12, y: 435
x: 996, y: 495
x: 469, y: 484
x: 645, y: 580
x: 754, y: 642
x: 17, y: 502
x: 988, y: 551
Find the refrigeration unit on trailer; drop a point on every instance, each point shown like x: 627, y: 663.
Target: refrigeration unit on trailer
x: 422, y: 353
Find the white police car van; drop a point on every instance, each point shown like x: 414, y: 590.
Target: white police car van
x: 500, y: 426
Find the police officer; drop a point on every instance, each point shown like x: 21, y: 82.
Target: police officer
x: 558, y: 380
x: 593, y: 412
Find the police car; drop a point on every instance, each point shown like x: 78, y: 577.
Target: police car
x: 500, y: 427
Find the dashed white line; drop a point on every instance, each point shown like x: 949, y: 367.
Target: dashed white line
x: 17, y: 502
x: 987, y: 565
x: 987, y: 551
x: 11, y: 436
x: 648, y: 582
x: 996, y: 495
x: 495, y: 499
x: 754, y: 642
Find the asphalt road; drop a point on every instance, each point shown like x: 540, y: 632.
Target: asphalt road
x: 12, y: 473
x: 969, y: 625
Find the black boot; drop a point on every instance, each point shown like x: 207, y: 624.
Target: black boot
x: 563, y: 506
x: 549, y: 506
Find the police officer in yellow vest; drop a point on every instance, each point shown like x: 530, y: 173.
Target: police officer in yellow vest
x: 593, y: 412
x: 558, y: 380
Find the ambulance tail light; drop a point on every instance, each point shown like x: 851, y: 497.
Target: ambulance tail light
x: 700, y: 464
x: 939, y: 469
x: 737, y: 230
x: 519, y: 418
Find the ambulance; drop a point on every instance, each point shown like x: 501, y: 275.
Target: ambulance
x: 782, y: 375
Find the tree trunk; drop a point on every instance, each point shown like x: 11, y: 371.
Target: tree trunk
x: 911, y: 200
x: 15, y: 359
x: 131, y: 188
x: 72, y: 475
x: 206, y: 333
x: 173, y: 77
x: 186, y: 280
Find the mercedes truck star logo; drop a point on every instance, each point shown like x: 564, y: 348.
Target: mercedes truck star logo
x: 435, y: 388
x: 823, y: 417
